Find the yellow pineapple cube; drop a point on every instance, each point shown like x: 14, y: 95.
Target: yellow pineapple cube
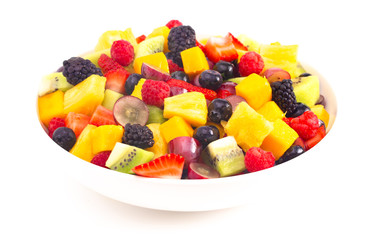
x: 161, y: 31
x: 194, y: 61
x: 51, y: 105
x: 248, y: 127
x: 137, y: 90
x: 175, y: 127
x: 105, y: 137
x: 107, y: 38
x: 255, y: 90
x: 157, y: 59
x: 321, y: 113
x: 280, y: 139
x: 83, y: 147
x: 190, y: 106
x: 160, y: 146
x: 85, y: 96
x: 271, y: 111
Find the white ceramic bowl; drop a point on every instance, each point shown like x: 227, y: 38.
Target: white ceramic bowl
x: 196, y: 195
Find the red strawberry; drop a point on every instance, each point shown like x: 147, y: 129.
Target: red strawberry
x: 116, y: 79
x: 257, y: 159
x: 77, y: 122
x: 220, y: 48
x: 314, y: 140
x: 209, y: 94
x: 200, y: 45
x: 101, y: 158
x: 102, y: 116
x: 140, y: 38
x: 106, y: 63
x: 54, y: 124
x: 236, y: 42
x: 223, y: 93
x: 167, y: 166
x: 154, y: 92
x: 122, y: 52
x: 173, y: 23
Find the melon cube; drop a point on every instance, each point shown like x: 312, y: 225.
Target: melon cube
x: 194, y: 61
x: 175, y: 127
x: 105, y: 137
x: 110, y: 97
x: 280, y: 139
x: 271, y: 111
x: 83, y: 146
x: 255, y: 90
x: 160, y: 146
x: 157, y: 59
x: 51, y: 105
x: 248, y: 127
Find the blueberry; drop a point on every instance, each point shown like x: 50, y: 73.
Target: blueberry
x: 225, y: 69
x: 300, y: 109
x: 219, y: 109
x: 180, y: 75
x: 64, y: 137
x: 210, y: 79
x: 292, y: 152
x: 206, y: 134
x: 131, y: 82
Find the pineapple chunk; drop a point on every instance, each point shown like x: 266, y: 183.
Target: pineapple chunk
x: 321, y: 113
x: 83, y: 146
x: 105, y: 137
x: 107, y: 38
x: 175, y: 127
x: 190, y: 106
x: 157, y: 59
x: 271, y: 111
x: 50, y: 105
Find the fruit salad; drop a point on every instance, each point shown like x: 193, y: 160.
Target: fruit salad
x: 171, y: 105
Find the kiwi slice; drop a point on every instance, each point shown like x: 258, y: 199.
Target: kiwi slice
x: 306, y: 89
x: 150, y: 46
x: 125, y: 157
x: 129, y: 109
x: 52, y: 82
x: 225, y: 156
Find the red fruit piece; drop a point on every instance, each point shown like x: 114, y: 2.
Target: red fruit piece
x: 122, y: 52
x: 154, y: 92
x: 257, y: 159
x: 77, y: 122
x: 314, y: 140
x: 140, y: 38
x: 102, y: 116
x: 250, y: 62
x: 223, y: 93
x: 306, y: 125
x: 54, y: 124
x: 116, y: 80
x: 173, y: 67
x: 167, y: 166
x: 106, y: 63
x: 101, y: 158
x: 220, y: 48
x: 173, y: 23
x: 200, y: 45
x: 209, y: 94
x: 237, y: 43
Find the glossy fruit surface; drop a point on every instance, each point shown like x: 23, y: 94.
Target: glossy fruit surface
x: 219, y: 109
x: 187, y: 147
x: 201, y: 171
x: 206, y: 134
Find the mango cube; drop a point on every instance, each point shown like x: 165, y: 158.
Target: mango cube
x: 248, y: 127
x: 51, y: 105
x: 157, y: 59
x: 280, y: 139
x: 271, y: 111
x: 160, y: 146
x: 83, y: 147
x: 137, y: 90
x: 321, y: 113
x: 175, y: 127
x: 194, y: 61
x: 105, y: 137
x: 255, y: 90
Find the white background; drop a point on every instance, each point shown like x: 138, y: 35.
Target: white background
x: 40, y: 201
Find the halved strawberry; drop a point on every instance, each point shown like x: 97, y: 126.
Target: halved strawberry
x: 167, y: 166
x: 220, y: 48
x: 140, y: 38
x: 223, y: 93
x: 102, y: 116
x: 236, y: 42
x: 200, y: 45
x: 116, y: 79
x: 209, y: 94
x: 316, y: 139
x: 77, y: 122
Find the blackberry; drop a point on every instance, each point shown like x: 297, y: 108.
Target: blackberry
x: 77, y: 69
x: 283, y: 95
x: 181, y: 38
x: 138, y: 136
x: 175, y: 57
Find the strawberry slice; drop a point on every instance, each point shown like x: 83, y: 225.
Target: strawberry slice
x: 140, y: 38
x: 116, y: 79
x: 223, y: 93
x: 77, y: 122
x: 106, y: 63
x: 209, y: 94
x: 102, y: 116
x: 167, y: 166
x: 316, y: 139
x: 236, y: 42
x: 220, y: 48
x: 200, y: 45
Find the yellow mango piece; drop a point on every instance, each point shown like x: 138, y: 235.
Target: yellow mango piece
x: 194, y: 61
x: 255, y: 90
x: 83, y: 147
x: 190, y: 106
x: 107, y: 39
x: 51, y: 105
x: 161, y: 31
x: 137, y: 90
x: 105, y: 137
x: 157, y: 59
x: 280, y: 139
x: 271, y: 111
x: 248, y: 127
x: 160, y: 146
x: 85, y: 96
x: 175, y: 127
x: 321, y: 113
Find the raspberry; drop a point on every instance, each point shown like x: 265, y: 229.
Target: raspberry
x: 257, y: 159
x: 106, y: 63
x: 250, y: 62
x: 173, y: 23
x: 122, y: 52
x: 154, y: 92
x: 101, y: 158
x: 54, y: 124
x: 306, y: 125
